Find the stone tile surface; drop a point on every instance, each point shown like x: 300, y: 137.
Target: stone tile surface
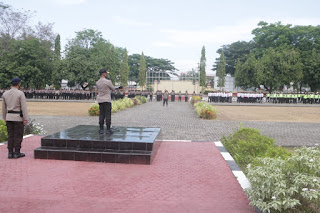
x: 184, y: 177
x: 179, y: 121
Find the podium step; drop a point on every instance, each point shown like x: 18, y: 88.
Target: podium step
x: 130, y: 145
x: 104, y: 156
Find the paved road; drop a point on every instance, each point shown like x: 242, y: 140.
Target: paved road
x: 180, y: 122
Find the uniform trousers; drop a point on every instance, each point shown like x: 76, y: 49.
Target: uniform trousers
x: 15, y: 134
x: 105, y: 113
x: 165, y: 101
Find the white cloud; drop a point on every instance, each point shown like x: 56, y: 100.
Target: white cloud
x: 162, y: 44
x: 226, y: 34
x: 130, y: 22
x: 70, y: 2
x: 217, y: 35
x: 185, y: 65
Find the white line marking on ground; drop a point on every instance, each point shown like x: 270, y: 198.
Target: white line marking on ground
x: 227, y: 156
x: 27, y: 136
x: 218, y: 143
x: 242, y: 179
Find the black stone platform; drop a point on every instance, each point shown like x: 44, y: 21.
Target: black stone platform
x: 130, y: 145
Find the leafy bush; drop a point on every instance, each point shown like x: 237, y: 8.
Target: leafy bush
x: 94, y: 110
x: 135, y: 102
x: 142, y: 99
x: 246, y: 144
x: 3, y: 131
x: 34, y: 128
x: 286, y: 185
x: 128, y: 102
x: 195, y: 99
x: 118, y: 105
x: 205, y: 110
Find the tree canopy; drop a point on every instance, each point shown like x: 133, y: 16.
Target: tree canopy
x: 34, y: 53
x: 277, y: 55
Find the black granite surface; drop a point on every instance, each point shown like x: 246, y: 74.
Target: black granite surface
x: 130, y: 145
x: 120, y: 134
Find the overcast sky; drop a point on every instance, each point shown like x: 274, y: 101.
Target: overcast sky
x: 171, y: 29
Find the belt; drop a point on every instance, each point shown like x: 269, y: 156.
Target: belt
x: 16, y: 112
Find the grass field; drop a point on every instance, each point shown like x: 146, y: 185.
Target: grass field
x: 234, y: 113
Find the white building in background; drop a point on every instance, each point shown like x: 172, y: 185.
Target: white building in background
x: 229, y: 83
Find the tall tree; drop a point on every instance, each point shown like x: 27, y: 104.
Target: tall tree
x: 279, y: 67
x: 85, y: 55
x: 142, y: 71
x: 312, y: 67
x: 57, y: 48
x: 124, y: 69
x: 155, y: 66
x: 113, y: 64
x: 233, y: 52
x: 221, y: 72
x: 246, y: 73
x: 30, y: 61
x: 203, y: 60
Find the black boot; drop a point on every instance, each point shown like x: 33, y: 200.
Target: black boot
x: 101, y: 131
x: 10, y: 154
x: 109, y: 130
x: 17, y: 154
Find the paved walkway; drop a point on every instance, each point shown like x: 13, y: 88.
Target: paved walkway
x: 179, y: 121
x: 184, y: 177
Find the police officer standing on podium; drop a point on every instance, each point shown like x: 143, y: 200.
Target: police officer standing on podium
x: 15, y: 114
x: 104, y: 87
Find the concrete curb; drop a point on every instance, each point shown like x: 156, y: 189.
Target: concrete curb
x: 242, y: 179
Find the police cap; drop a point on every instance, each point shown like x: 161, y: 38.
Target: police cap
x: 102, y: 71
x: 16, y: 80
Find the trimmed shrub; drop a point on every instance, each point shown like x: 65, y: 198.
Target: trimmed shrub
x: 205, y: 110
x: 195, y: 99
x: 128, y: 102
x: 118, y: 105
x: 142, y: 99
x: 286, y: 185
x: 135, y: 102
x: 246, y: 144
x: 94, y: 110
x: 3, y: 131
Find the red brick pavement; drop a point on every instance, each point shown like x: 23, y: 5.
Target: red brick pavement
x: 184, y: 177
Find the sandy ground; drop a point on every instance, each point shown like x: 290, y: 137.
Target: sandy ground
x: 233, y: 113
x: 274, y: 114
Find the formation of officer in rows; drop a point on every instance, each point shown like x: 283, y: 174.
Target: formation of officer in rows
x: 250, y: 97
x: 64, y: 94
x: 134, y: 93
x: 294, y: 98
x: 222, y: 97
x: 172, y: 95
x: 117, y: 94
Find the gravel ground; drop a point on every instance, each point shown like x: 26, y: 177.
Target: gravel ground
x: 179, y: 121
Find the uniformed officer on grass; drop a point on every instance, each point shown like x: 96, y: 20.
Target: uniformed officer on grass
x: 15, y: 114
x: 104, y: 87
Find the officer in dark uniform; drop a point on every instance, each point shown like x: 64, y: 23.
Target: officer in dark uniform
x: 186, y: 96
x: 104, y: 87
x: 173, y: 96
x: 15, y: 114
